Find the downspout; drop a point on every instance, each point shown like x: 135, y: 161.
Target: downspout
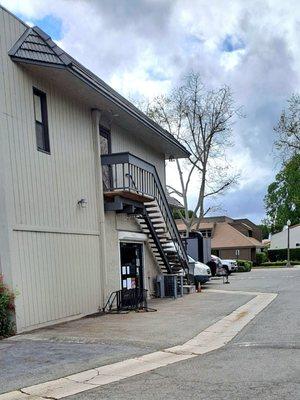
x: 96, y: 115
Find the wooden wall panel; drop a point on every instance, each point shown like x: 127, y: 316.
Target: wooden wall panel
x: 53, y: 243
x: 123, y: 141
x: 46, y: 188
x: 56, y: 276
x: 50, y: 244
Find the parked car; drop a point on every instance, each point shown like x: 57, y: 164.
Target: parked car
x: 202, y: 271
x: 218, y: 265
x: 230, y: 265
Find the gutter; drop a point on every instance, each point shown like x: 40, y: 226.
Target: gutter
x: 94, y: 82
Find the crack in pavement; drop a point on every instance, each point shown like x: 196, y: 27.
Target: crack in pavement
x: 214, y: 337
x: 28, y: 394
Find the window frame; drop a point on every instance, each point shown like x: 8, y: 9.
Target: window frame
x: 106, y: 134
x: 44, y: 113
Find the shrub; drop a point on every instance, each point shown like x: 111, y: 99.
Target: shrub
x: 281, y: 254
x: 278, y: 263
x: 261, y: 258
x: 7, y: 326
x: 244, y: 265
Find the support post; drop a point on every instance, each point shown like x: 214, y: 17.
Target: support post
x: 96, y: 116
x: 288, y: 264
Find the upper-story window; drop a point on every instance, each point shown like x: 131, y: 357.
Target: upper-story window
x: 206, y: 233
x: 41, y: 120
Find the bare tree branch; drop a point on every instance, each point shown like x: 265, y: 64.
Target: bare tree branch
x: 201, y: 120
x: 288, y: 129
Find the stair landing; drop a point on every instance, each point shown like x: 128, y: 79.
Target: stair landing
x: 141, y: 198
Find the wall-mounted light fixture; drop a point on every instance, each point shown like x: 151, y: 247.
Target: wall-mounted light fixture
x: 82, y: 203
x: 171, y: 158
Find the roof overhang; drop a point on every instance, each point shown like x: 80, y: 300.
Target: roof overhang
x: 38, y: 53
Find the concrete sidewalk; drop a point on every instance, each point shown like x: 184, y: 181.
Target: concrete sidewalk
x: 75, y: 346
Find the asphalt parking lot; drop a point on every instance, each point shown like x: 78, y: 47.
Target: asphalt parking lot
x: 75, y: 346
x: 261, y: 362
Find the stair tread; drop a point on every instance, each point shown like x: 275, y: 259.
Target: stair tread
x: 163, y: 240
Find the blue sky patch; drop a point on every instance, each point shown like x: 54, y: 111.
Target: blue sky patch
x: 50, y: 24
x: 156, y: 75
x: 232, y: 43
x: 193, y: 39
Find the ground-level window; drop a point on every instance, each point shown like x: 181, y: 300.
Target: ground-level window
x: 41, y: 120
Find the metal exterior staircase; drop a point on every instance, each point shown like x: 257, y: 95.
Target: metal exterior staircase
x: 160, y: 241
x: 135, y: 188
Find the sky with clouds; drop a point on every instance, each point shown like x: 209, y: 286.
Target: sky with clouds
x: 143, y: 47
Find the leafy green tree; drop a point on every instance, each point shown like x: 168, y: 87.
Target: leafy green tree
x: 265, y: 230
x: 178, y: 214
x: 282, y: 201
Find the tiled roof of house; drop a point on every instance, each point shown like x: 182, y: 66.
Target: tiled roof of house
x: 226, y: 236
x: 224, y: 233
x: 206, y: 225
x: 203, y: 225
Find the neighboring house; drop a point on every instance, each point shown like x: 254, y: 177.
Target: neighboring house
x: 174, y: 203
x: 229, y: 235
x: 82, y: 184
x: 266, y: 243
x: 279, y: 240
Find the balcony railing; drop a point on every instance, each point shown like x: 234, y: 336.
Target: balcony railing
x: 124, y: 172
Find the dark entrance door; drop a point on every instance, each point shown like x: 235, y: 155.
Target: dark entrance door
x: 131, y: 266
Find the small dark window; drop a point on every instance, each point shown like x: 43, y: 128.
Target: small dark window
x: 41, y: 121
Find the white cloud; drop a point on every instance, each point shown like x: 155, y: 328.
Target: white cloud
x: 231, y: 60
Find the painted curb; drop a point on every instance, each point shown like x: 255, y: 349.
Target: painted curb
x: 212, y: 338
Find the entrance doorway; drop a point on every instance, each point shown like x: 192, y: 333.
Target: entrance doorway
x: 132, y: 266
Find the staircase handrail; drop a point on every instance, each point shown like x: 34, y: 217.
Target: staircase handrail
x: 128, y: 158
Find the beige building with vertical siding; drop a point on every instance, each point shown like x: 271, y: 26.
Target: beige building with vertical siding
x: 82, y: 177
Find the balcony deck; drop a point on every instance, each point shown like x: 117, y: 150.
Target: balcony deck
x: 131, y: 195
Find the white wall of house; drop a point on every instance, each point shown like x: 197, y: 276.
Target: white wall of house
x: 49, y: 246
x: 279, y: 240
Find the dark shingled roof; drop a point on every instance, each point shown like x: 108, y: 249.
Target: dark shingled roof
x: 35, y: 46
x: 174, y: 203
